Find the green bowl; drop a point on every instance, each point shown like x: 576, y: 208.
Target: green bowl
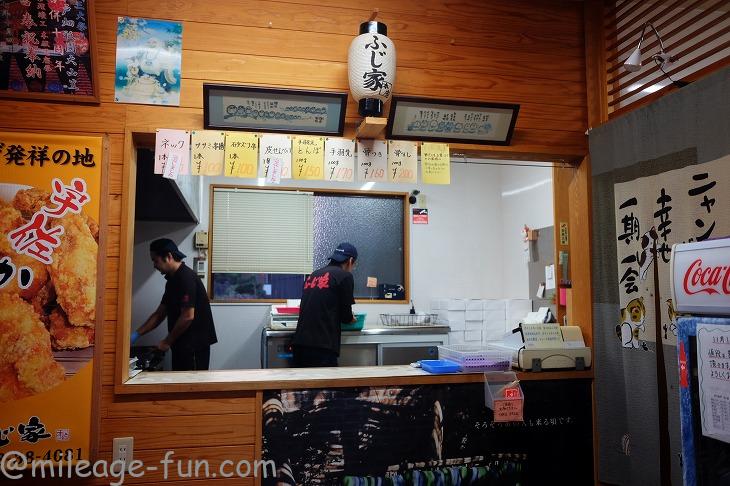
x: 355, y: 326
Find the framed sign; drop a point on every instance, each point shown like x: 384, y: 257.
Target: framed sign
x: 273, y: 110
x: 48, y: 51
x: 451, y: 121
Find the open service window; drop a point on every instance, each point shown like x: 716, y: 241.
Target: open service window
x: 264, y: 242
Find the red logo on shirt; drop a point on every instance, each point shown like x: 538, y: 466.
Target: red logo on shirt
x: 321, y: 282
x: 185, y: 298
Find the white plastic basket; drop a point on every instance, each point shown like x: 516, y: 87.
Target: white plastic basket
x: 477, y: 357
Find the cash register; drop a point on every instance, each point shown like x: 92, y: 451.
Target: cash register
x: 537, y: 345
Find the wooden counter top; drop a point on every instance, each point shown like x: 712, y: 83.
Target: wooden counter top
x: 297, y: 378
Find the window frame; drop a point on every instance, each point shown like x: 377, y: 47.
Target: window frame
x: 316, y: 191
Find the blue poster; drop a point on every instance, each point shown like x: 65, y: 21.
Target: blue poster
x: 149, y: 59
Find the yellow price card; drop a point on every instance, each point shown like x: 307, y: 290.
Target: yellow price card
x: 308, y: 157
x: 207, y: 148
x: 242, y: 152
x: 435, y: 163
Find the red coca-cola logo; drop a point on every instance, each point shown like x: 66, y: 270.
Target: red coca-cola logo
x: 710, y: 280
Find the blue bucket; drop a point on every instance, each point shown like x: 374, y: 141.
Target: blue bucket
x: 357, y: 325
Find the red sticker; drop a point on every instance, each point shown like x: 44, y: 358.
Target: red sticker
x: 683, y: 381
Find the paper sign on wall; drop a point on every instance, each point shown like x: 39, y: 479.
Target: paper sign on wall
x: 435, y: 163
x: 172, y: 167
x: 275, y: 146
x: 509, y: 410
x: 308, y: 157
x: 339, y: 162
x: 713, y: 368
x: 242, y: 152
x: 207, y: 148
x: 420, y: 215
x: 550, y: 276
x: 273, y: 172
x: 402, y: 161
x: 372, y: 160
x: 169, y: 142
x: 372, y: 282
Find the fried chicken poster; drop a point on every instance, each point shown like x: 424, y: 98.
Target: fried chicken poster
x: 50, y: 190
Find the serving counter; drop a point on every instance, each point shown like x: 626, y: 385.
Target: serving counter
x: 321, y: 424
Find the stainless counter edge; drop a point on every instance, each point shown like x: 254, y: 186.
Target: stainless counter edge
x: 375, y: 331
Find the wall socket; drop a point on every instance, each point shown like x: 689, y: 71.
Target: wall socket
x: 122, y: 449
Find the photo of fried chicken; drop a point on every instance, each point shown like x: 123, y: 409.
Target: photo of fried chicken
x: 30, y: 201
x: 73, y: 271
x: 66, y: 336
x: 45, y: 326
x: 10, y: 219
x: 27, y: 365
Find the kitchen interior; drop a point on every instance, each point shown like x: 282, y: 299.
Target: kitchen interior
x: 472, y: 277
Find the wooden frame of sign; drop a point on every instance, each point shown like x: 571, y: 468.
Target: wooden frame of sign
x: 256, y: 109
x: 439, y: 120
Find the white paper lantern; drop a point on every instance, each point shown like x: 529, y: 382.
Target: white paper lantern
x: 371, y: 67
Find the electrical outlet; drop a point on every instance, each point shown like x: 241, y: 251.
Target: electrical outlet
x: 122, y: 449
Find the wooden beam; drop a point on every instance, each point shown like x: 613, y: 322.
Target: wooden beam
x: 371, y: 127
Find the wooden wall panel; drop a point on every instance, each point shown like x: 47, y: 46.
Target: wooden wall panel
x: 181, y: 430
x: 184, y: 465
x: 529, y: 52
x: 199, y: 404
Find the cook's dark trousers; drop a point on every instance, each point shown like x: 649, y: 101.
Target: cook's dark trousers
x: 307, y: 357
x: 188, y: 358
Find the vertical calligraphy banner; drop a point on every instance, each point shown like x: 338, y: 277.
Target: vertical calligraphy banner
x: 372, y: 160
x: 635, y: 270
x: 168, y: 142
x: 435, y: 163
x: 275, y: 146
x: 339, y: 160
x: 676, y: 206
x: 402, y: 161
x: 50, y: 193
x: 308, y: 155
x: 207, y: 152
x: 242, y: 151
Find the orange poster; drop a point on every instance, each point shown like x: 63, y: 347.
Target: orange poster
x: 50, y: 190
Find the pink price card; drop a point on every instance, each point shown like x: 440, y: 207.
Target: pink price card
x: 509, y: 410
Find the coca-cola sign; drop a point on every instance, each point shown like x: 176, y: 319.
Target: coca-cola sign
x: 711, y: 280
x: 701, y: 277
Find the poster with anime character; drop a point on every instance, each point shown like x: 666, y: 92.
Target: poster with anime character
x: 149, y: 59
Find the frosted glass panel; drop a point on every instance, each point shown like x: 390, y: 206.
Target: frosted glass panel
x: 374, y: 224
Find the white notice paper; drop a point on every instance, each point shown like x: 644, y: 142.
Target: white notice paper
x: 550, y: 277
x: 540, y: 291
x: 713, y: 369
x: 172, y: 167
x: 273, y: 172
x: 278, y: 146
x: 339, y: 159
x: 168, y: 142
x: 372, y: 160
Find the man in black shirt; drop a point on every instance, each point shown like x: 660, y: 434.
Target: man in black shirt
x: 185, y: 304
x: 326, y: 303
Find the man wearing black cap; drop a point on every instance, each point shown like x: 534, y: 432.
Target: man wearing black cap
x: 187, y: 308
x: 326, y: 303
